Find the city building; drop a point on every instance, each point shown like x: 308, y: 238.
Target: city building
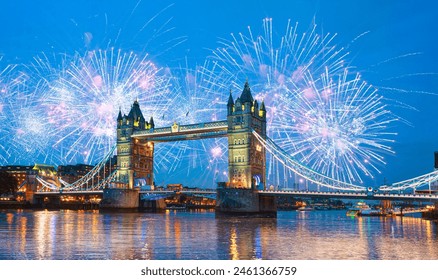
x: 19, y: 172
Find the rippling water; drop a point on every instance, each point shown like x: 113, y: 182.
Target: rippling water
x: 200, y: 235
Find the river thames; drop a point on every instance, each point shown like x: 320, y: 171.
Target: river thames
x: 173, y: 235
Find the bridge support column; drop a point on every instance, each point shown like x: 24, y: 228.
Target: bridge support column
x: 153, y: 205
x: 245, y: 202
x: 120, y: 200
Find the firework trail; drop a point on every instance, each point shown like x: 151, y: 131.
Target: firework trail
x: 312, y: 100
x: 337, y: 125
x: 5, y: 93
x: 83, y: 102
x: 25, y: 135
x: 197, y: 101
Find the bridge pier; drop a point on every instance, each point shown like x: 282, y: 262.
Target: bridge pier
x: 153, y: 205
x: 246, y: 202
x: 119, y: 200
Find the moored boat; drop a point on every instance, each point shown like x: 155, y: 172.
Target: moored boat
x: 358, y: 209
x: 305, y: 208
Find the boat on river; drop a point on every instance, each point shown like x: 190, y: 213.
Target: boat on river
x: 362, y: 209
x: 305, y: 208
x: 358, y: 209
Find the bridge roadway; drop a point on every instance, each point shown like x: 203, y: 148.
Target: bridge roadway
x: 84, y: 192
x: 353, y: 195
x: 310, y: 194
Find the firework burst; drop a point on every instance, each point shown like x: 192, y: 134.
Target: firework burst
x: 83, y: 102
x: 25, y: 131
x: 197, y: 101
x: 5, y: 93
x: 337, y: 125
x: 320, y: 114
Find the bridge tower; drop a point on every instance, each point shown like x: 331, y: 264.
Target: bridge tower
x: 246, y: 159
x: 246, y: 156
x: 135, y: 162
x: 135, y: 159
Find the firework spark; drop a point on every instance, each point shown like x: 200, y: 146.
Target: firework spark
x: 316, y: 110
x: 83, y: 102
x: 197, y: 101
x: 337, y: 125
x: 25, y: 130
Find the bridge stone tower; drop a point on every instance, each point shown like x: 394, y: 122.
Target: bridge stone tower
x: 135, y: 159
x: 135, y: 162
x: 246, y: 159
x: 246, y: 156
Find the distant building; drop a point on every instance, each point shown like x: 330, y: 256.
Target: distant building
x: 174, y: 187
x: 72, y: 173
x: 26, y: 175
x: 19, y: 172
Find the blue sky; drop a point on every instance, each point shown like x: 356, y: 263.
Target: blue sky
x: 393, y: 28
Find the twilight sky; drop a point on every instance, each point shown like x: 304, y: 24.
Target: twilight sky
x: 397, y: 49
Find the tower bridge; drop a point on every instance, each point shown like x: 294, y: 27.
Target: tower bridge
x: 246, y: 189
x: 137, y: 137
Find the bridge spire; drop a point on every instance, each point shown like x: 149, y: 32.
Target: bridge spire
x: 246, y: 95
x: 230, y: 104
x: 119, y: 117
x: 151, y: 122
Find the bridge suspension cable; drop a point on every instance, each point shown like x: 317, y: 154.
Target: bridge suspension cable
x: 84, y: 181
x: 311, y: 175
x: 292, y: 164
x: 46, y: 185
x: 89, y: 176
x: 414, y: 183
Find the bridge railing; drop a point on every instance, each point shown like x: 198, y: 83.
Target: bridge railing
x: 182, y: 128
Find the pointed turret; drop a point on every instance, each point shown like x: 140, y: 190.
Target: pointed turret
x: 230, y: 100
x: 246, y: 95
x: 262, y: 111
x: 136, y: 116
x: 262, y: 107
x: 151, y: 122
x: 119, y: 117
x: 230, y: 104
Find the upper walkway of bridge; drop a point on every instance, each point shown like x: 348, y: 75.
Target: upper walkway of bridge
x: 184, y: 132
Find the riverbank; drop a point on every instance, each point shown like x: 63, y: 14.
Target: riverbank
x: 12, y: 204
x: 430, y: 215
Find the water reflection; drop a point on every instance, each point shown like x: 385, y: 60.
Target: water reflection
x: 200, y: 235
x: 244, y: 238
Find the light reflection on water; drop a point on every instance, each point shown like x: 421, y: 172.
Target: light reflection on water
x: 200, y: 235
